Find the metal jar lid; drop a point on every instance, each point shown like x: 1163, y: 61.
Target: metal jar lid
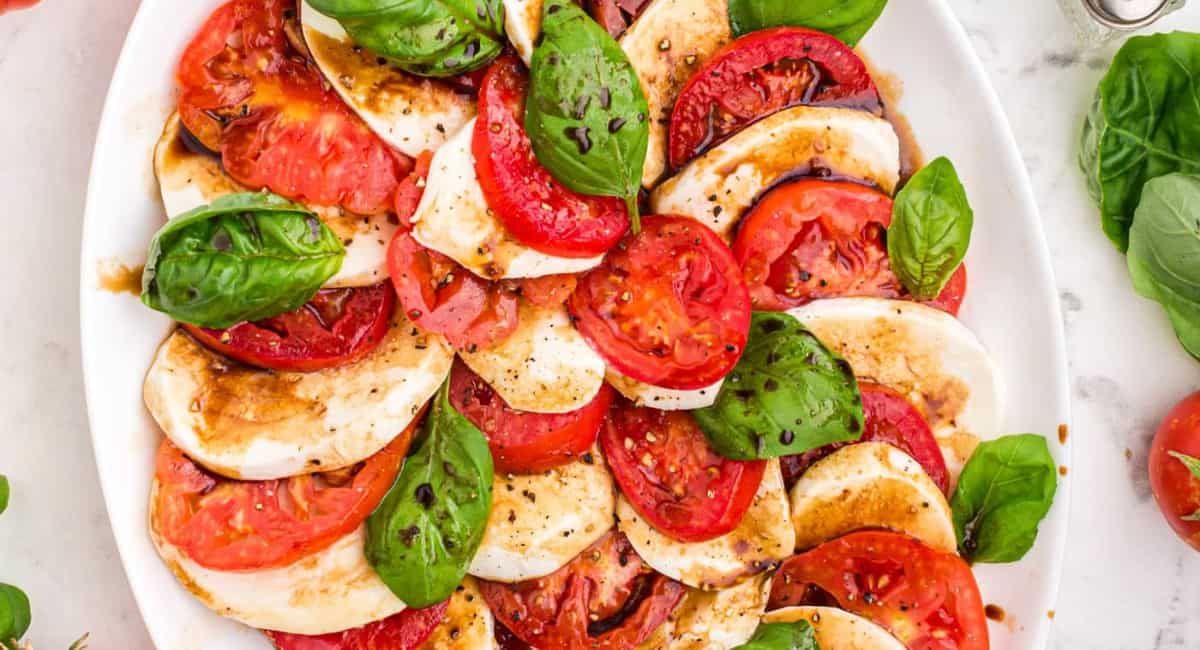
x: 1128, y: 14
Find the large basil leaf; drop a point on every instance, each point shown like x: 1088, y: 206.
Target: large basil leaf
x: 788, y: 394
x: 14, y: 615
x: 246, y: 257
x: 3, y: 493
x: 1144, y: 123
x: 1004, y: 492
x: 424, y: 533
x: 435, y: 38
x: 782, y: 636
x: 586, y: 112
x: 848, y: 20
x: 931, y: 229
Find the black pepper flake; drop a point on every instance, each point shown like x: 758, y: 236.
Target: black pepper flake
x: 424, y: 495
x: 588, y: 458
x: 221, y: 241
x: 770, y: 385
x: 380, y: 60
x: 581, y: 106
x: 472, y: 49
x: 729, y: 347
x: 580, y: 134
x: 805, y: 276
x: 605, y: 98
x: 553, y: 9
x: 787, y: 437
x: 409, y: 535
x: 615, y: 124
x: 450, y: 63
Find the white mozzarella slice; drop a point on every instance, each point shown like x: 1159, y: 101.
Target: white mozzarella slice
x: 923, y: 353
x: 870, y: 485
x: 663, y: 399
x: 468, y: 625
x: 714, y: 620
x: 540, y: 522
x: 255, y: 424
x: 545, y: 366
x: 718, y: 187
x: 453, y: 218
x: 522, y: 24
x: 762, y: 539
x: 837, y: 629
x: 411, y: 113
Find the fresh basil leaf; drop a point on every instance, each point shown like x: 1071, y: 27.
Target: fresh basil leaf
x: 782, y: 636
x: 246, y: 257
x: 788, y: 394
x: 424, y: 533
x: 3, y: 493
x: 931, y: 229
x: 15, y: 616
x: 1004, y: 492
x: 586, y: 112
x: 849, y: 20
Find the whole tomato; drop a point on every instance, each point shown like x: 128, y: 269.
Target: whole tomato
x: 1175, y: 469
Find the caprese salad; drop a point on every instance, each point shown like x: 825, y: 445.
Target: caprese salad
x: 551, y: 324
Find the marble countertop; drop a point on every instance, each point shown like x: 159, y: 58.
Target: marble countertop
x: 1129, y: 583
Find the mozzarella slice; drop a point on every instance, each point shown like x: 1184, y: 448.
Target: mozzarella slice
x: 663, y: 399
x: 469, y: 624
x: 837, y: 629
x: 720, y: 186
x: 870, y: 485
x: 923, y: 353
x: 453, y: 218
x: 188, y: 180
x: 255, y: 424
x: 522, y: 24
x: 411, y: 113
x: 763, y: 539
x: 545, y: 366
x: 714, y: 620
x: 540, y: 522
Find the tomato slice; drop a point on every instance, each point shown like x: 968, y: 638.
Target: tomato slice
x: 667, y: 307
x: 406, y: 630
x: 606, y: 598
x: 811, y: 239
x: 247, y: 93
x: 522, y: 442
x: 763, y: 73
x: 229, y: 525
x: 926, y: 598
x: 533, y: 206
x: 336, y: 328
x: 672, y: 477
x: 411, y: 189
x: 890, y: 418
x: 13, y: 5
x: 549, y: 291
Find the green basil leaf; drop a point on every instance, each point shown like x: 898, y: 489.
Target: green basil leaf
x: 424, y: 533
x: 586, y: 112
x: 788, y: 394
x: 931, y: 229
x: 246, y: 257
x: 1004, y: 492
x: 15, y: 616
x: 434, y: 38
x: 3, y: 493
x: 848, y: 20
x: 782, y: 636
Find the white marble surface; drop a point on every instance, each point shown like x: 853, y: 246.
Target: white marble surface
x: 1129, y: 584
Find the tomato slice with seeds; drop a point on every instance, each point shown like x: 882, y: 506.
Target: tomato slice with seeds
x: 411, y: 189
x: 763, y: 73
x: 667, y: 307
x: 406, y: 630
x: 671, y: 475
x: 549, y: 291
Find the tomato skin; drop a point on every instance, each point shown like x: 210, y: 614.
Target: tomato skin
x: 406, y: 630
x: 1176, y: 490
x: 549, y: 291
x: 13, y: 5
x: 411, y: 189
x: 927, y: 599
x: 687, y: 491
x: 667, y: 306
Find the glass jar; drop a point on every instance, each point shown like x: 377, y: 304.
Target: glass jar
x: 1097, y: 21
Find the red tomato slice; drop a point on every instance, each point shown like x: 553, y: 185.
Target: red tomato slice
x: 411, y: 189
x: 247, y: 93
x: 926, y: 598
x: 13, y: 5
x: 890, y: 418
x: 229, y: 525
x: 763, y: 73
x: 522, y: 442
x: 1176, y: 488
x: 604, y: 599
x: 667, y: 307
x: 672, y: 477
x: 549, y: 291
x: 811, y: 239
x: 534, y: 207
x: 404, y: 631
x: 336, y: 328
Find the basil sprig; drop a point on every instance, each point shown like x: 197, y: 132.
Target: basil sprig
x: 1193, y: 465
x: 586, y: 112
x: 424, y: 533
x: 4, y: 488
x: 788, y: 394
x: 246, y: 257
x: 931, y: 229
x: 782, y: 636
x: 15, y: 616
x: 433, y: 38
x: 1004, y: 492
x: 848, y: 20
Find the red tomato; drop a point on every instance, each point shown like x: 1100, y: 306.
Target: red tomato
x: 665, y: 467
x: 604, y: 599
x: 404, y: 631
x: 926, y: 598
x: 538, y: 210
x: 411, y: 189
x: 615, y: 16
x: 522, y: 442
x: 549, y: 291
x: 811, y: 239
x: 890, y: 418
x: 13, y: 5
x: 336, y: 328
x: 763, y: 73
x: 1174, y: 477
x: 247, y: 93
x: 229, y: 525
x: 667, y: 307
